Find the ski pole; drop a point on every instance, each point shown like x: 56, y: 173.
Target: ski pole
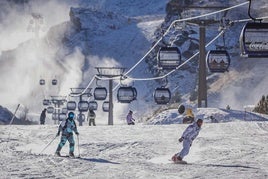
x: 48, y: 144
x: 78, y: 146
x: 11, y: 121
x: 13, y: 117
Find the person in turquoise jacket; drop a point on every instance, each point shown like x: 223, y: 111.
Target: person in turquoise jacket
x: 67, y: 127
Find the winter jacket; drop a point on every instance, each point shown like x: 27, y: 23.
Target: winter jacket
x: 43, y: 116
x: 67, y: 127
x: 91, y: 115
x: 191, y: 132
x: 129, y: 118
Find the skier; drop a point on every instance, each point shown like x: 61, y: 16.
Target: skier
x: 43, y: 117
x: 130, y: 120
x: 67, y: 127
x: 187, y: 137
x: 91, y: 117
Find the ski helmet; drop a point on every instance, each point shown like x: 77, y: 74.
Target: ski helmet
x: 71, y: 115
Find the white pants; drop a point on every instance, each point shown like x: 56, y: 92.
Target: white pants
x: 186, y: 147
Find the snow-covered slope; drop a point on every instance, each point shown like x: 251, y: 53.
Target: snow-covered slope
x: 219, y: 115
x: 222, y: 150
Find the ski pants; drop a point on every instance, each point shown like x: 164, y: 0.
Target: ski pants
x: 92, y: 121
x: 63, y: 140
x: 186, y: 147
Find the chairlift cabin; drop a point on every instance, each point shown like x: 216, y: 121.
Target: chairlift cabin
x: 54, y: 82
x: 126, y: 94
x: 46, y: 102
x: 42, y: 82
x: 168, y: 58
x: 105, y: 106
x: 62, y: 116
x: 218, y: 61
x: 162, y: 95
x: 93, y: 105
x: 100, y: 93
x: 83, y: 106
x: 71, y: 105
x: 50, y: 110
x: 254, y: 40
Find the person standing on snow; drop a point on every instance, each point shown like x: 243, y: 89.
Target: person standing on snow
x: 91, y: 118
x: 67, y: 127
x: 130, y: 120
x: 187, y: 138
x: 43, y: 117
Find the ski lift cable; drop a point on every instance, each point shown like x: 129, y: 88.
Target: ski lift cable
x: 159, y: 40
x: 164, y: 76
x: 168, y: 29
x: 181, y: 20
x: 246, y: 20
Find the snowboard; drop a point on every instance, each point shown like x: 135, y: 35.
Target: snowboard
x: 180, y: 162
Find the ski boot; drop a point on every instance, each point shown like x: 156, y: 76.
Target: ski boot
x: 176, y: 158
x: 57, y: 153
x: 71, y: 154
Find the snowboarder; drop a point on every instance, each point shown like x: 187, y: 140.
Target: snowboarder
x: 91, y: 117
x: 43, y: 117
x: 187, y: 137
x: 130, y: 120
x: 67, y: 127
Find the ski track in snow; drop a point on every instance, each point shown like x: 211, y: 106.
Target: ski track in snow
x: 223, y: 150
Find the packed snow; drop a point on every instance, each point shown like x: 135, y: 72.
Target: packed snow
x: 222, y: 150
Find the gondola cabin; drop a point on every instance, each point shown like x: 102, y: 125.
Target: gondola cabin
x: 126, y: 94
x: 254, y: 40
x: 105, y: 106
x: 71, y: 105
x: 100, y: 93
x: 218, y: 61
x: 46, y: 102
x: 42, y: 82
x: 54, y: 82
x: 168, y: 58
x: 93, y: 105
x: 162, y: 95
x: 83, y: 106
x: 50, y: 110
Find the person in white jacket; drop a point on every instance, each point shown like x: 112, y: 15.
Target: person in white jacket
x: 187, y: 138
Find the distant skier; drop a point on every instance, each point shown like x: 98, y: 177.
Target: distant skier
x: 43, y: 117
x: 67, y: 127
x: 130, y: 120
x: 187, y: 137
x: 91, y: 117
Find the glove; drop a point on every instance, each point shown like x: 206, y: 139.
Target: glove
x: 181, y: 139
x: 77, y: 133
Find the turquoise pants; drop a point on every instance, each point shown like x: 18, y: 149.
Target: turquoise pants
x: 63, y: 140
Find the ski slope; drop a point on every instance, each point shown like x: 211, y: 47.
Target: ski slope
x: 222, y: 150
